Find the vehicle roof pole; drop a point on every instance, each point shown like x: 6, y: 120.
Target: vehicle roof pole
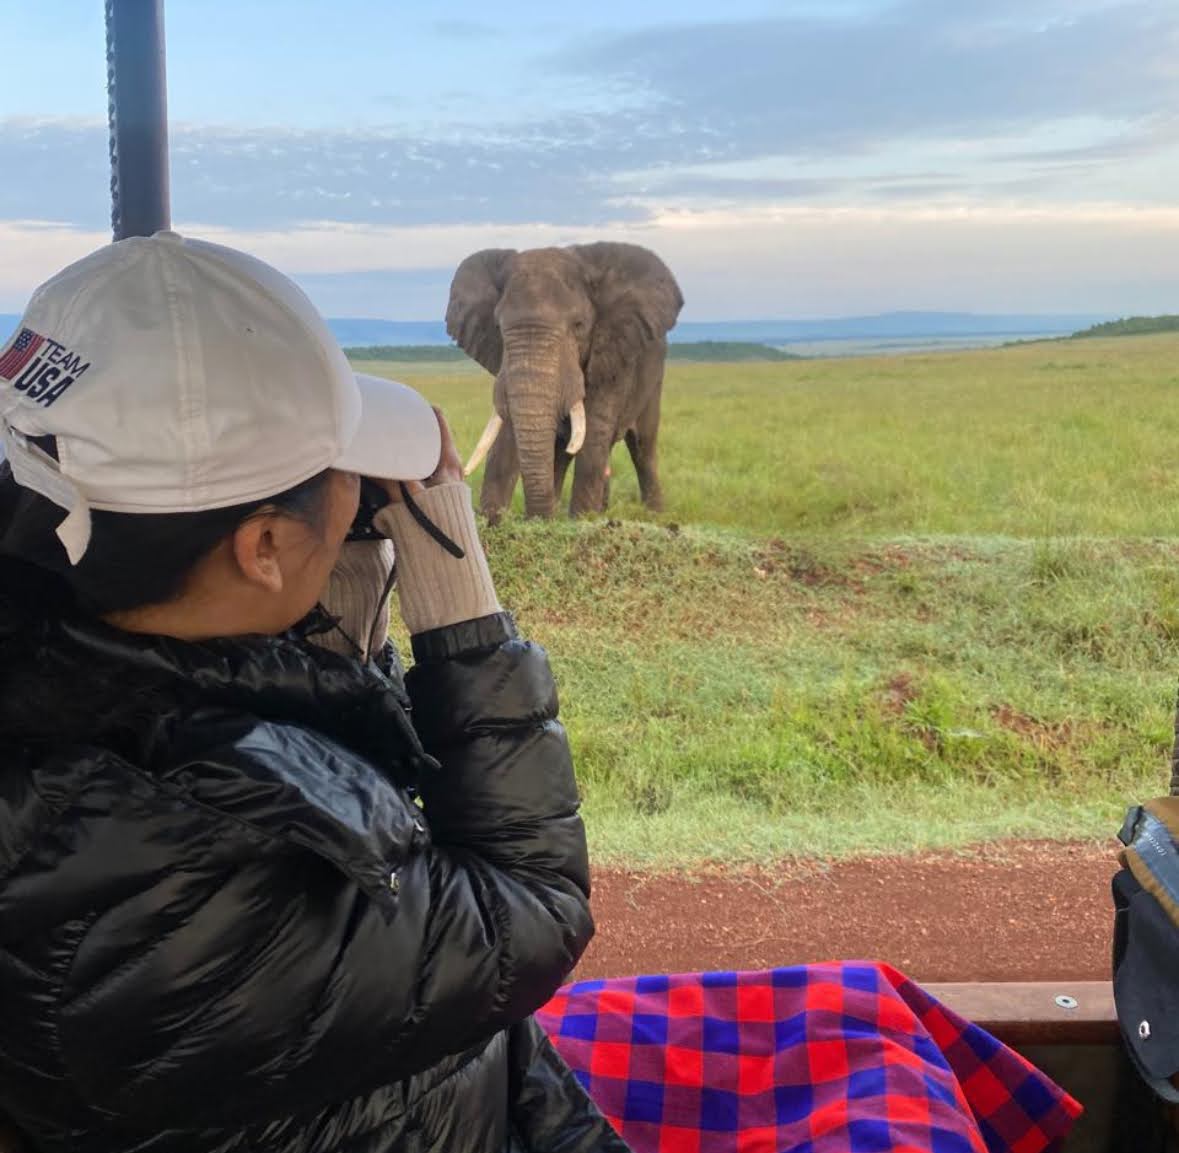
x: 138, y: 102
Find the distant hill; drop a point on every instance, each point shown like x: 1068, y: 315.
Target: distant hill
x: 885, y: 326
x: 407, y: 353
x: 356, y: 333
x: 1130, y: 326
x: 704, y: 351
x: 727, y: 351
x: 353, y: 332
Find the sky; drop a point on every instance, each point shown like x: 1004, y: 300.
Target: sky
x: 798, y: 158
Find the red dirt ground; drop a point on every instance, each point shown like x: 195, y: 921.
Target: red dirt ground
x: 1026, y: 911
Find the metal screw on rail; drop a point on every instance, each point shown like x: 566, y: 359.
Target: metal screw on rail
x: 138, y: 110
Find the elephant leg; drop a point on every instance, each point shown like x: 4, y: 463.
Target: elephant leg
x: 589, y: 472
x: 642, y: 443
x: 500, y: 475
x: 561, y: 462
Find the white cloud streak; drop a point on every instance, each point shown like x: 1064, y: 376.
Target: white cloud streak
x: 768, y: 261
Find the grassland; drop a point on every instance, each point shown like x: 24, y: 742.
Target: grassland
x: 894, y: 603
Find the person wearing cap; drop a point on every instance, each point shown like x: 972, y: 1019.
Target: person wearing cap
x: 255, y: 892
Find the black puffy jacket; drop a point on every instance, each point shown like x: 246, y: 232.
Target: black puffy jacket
x: 225, y: 924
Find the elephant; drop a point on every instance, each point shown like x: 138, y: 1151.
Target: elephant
x: 576, y: 339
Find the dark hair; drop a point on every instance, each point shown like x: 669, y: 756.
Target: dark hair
x: 135, y: 559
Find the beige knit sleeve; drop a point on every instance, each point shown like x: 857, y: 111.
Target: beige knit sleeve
x: 434, y: 588
x: 353, y: 597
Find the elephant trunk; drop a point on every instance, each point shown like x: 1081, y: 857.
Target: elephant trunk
x: 534, y: 419
x: 531, y: 379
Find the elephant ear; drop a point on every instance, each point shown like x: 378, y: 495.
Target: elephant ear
x: 470, y: 315
x: 636, y: 300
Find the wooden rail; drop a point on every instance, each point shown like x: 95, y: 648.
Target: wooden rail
x: 1037, y: 1013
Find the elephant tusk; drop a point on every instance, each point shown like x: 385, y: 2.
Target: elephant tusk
x: 485, y: 442
x: 577, y: 432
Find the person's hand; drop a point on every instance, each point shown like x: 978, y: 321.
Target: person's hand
x: 449, y: 470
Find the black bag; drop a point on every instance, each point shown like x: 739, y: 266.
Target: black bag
x: 1146, y: 943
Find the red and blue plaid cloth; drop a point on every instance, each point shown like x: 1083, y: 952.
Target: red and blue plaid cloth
x: 842, y: 1058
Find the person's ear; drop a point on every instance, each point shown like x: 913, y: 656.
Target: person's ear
x: 256, y: 552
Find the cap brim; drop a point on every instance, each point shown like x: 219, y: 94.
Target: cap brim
x: 398, y: 437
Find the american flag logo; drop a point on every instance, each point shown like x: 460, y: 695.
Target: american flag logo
x: 20, y: 352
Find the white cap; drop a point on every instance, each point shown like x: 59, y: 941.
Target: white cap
x: 178, y: 376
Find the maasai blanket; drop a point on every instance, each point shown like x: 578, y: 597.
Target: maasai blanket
x: 840, y: 1058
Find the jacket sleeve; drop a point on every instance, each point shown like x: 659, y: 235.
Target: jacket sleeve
x: 550, y: 1111
x: 274, y: 981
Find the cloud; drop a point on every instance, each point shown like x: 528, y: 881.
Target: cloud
x: 55, y: 170
x: 919, y: 68
x: 261, y: 178
x: 811, y: 109
x: 1158, y: 134
x: 775, y: 260
x: 789, y: 259
x: 34, y: 251
x: 1020, y: 154
x: 728, y: 188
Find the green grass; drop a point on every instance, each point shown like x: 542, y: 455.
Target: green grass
x: 1031, y: 441
x: 894, y: 604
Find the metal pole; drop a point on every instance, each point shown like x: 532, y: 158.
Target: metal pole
x: 138, y: 104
